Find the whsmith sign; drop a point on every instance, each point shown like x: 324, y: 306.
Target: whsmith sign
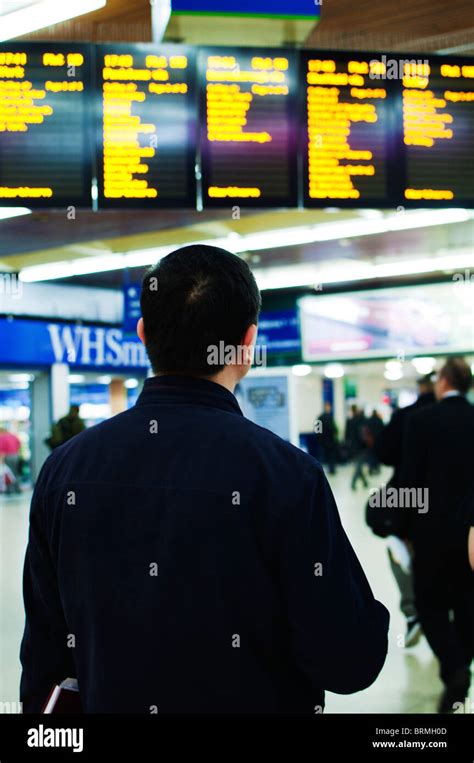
x: 37, y: 343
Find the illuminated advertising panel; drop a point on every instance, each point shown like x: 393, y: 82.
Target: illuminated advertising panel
x: 380, y: 323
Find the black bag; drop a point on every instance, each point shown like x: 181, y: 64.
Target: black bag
x: 385, y: 521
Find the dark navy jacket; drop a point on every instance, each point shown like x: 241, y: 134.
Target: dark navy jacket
x: 183, y: 559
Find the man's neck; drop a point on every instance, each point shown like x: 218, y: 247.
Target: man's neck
x: 224, y: 378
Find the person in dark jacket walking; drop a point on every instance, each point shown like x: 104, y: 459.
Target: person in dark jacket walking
x: 389, y: 443
x: 328, y: 438
x: 182, y: 559
x: 353, y: 433
x: 362, y: 457
x: 438, y: 455
x: 66, y: 428
x: 373, y: 429
x: 388, y: 448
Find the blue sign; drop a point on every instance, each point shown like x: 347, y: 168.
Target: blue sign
x: 131, y: 307
x: 279, y: 331
x: 14, y: 398
x: 95, y: 394
x: 37, y: 343
x: 308, y: 9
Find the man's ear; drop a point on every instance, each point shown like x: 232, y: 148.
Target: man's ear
x: 250, y: 335
x: 248, y: 341
x: 141, y: 330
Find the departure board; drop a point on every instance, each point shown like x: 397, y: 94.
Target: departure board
x: 45, y: 157
x: 171, y: 125
x: 248, y: 127
x: 438, y: 130
x: 346, y: 132
x: 146, y: 153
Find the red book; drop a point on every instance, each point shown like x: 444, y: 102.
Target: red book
x: 64, y: 699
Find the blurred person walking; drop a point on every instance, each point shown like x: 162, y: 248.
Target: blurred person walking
x: 388, y: 448
x: 9, y: 461
x: 327, y: 438
x: 66, y: 428
x: 373, y: 429
x: 389, y: 443
x: 438, y: 455
x: 361, y: 459
x: 352, y: 435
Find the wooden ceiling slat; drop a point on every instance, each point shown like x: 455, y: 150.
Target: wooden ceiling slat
x: 456, y: 42
x: 138, y: 31
x: 403, y: 16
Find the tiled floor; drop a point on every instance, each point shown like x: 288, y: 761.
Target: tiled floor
x: 408, y: 682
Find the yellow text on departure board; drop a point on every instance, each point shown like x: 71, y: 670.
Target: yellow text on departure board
x: 128, y: 142
x: 427, y: 118
x: 231, y: 92
x: 332, y: 162
x: 24, y: 106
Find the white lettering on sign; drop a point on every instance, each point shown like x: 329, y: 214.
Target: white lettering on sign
x: 89, y: 346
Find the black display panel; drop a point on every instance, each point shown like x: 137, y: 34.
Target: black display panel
x: 248, y: 126
x: 438, y: 131
x: 265, y: 127
x: 347, y: 135
x: 147, y: 112
x: 45, y: 140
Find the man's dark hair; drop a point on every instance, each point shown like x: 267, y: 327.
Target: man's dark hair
x: 194, y: 298
x: 426, y: 382
x: 458, y: 374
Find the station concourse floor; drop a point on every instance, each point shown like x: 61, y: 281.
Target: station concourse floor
x: 408, y: 683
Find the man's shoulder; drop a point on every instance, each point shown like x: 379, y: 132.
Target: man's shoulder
x: 443, y: 409
x: 258, y: 439
x: 103, y: 430
x: 401, y: 414
x: 456, y: 407
x: 417, y: 415
x: 261, y: 446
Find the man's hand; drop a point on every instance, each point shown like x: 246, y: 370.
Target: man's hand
x: 470, y: 545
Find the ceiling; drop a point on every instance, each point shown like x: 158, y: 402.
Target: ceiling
x: 118, y: 21
x: 424, y: 26
x: 46, y: 236
x: 427, y: 25
x: 52, y: 238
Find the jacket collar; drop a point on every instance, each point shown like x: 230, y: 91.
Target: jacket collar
x: 449, y: 399
x: 175, y: 389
